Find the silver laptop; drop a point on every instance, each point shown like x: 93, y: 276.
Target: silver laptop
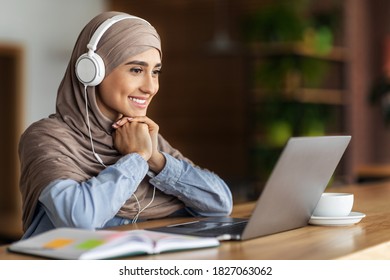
x: 289, y: 197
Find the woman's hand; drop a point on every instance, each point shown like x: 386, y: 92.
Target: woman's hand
x: 133, y: 137
x: 157, y: 160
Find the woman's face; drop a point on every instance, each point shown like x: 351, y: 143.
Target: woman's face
x: 130, y: 87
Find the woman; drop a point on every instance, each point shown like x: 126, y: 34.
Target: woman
x: 99, y: 161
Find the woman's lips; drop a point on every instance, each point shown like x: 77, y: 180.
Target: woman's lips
x: 138, y: 102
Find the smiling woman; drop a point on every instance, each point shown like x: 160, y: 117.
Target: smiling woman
x: 99, y: 160
x: 129, y: 88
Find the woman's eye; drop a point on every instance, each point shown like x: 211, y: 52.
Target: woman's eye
x: 136, y: 70
x: 156, y: 72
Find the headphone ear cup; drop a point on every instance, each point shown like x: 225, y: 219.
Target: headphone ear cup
x: 90, y: 69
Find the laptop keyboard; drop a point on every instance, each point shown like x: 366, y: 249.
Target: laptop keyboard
x: 226, y: 229
x: 232, y: 229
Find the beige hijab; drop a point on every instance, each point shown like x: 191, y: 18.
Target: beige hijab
x: 58, y: 147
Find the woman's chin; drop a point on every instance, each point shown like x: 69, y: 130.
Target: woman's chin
x: 137, y: 113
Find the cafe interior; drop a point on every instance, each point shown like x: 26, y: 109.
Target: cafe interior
x: 239, y: 79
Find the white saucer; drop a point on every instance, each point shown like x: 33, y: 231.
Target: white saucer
x: 352, y: 218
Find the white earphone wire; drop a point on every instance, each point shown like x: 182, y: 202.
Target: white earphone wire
x: 89, y: 128
x: 102, y: 163
x: 139, y: 205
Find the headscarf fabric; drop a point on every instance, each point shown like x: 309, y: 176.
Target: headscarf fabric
x: 59, y: 147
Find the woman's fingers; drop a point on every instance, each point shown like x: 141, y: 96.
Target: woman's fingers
x: 133, y: 138
x: 120, y: 122
x: 143, y: 119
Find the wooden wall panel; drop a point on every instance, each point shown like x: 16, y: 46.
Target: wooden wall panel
x: 11, y: 81
x: 201, y: 104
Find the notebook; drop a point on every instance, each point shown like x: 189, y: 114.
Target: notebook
x: 85, y: 244
x: 289, y: 196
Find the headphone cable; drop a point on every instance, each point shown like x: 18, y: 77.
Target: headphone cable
x: 102, y: 163
x: 89, y: 128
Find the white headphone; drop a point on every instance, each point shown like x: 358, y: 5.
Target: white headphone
x: 90, y: 68
x: 90, y: 71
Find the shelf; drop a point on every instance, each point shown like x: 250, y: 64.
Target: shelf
x: 373, y: 172
x: 337, y: 54
x: 322, y: 96
x: 308, y: 95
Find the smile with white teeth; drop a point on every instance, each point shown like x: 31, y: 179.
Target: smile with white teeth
x: 136, y: 100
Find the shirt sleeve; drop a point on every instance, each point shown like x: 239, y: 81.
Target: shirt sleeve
x: 90, y: 204
x: 202, y: 191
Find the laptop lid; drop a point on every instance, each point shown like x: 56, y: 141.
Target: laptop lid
x: 290, y: 195
x: 295, y: 185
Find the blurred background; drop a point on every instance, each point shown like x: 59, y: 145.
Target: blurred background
x: 239, y: 79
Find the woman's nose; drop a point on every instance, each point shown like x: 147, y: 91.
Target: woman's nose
x: 150, y: 85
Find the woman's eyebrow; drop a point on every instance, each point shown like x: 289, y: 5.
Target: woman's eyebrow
x: 141, y: 63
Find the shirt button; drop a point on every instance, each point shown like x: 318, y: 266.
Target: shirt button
x: 126, y: 222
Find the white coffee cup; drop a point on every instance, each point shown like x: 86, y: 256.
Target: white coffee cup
x: 334, y: 205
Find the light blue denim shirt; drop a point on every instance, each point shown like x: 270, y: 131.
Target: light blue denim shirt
x: 93, y: 204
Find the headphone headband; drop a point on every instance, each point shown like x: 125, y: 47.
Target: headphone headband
x: 92, y: 45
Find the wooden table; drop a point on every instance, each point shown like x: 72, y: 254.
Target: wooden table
x: 369, y: 239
